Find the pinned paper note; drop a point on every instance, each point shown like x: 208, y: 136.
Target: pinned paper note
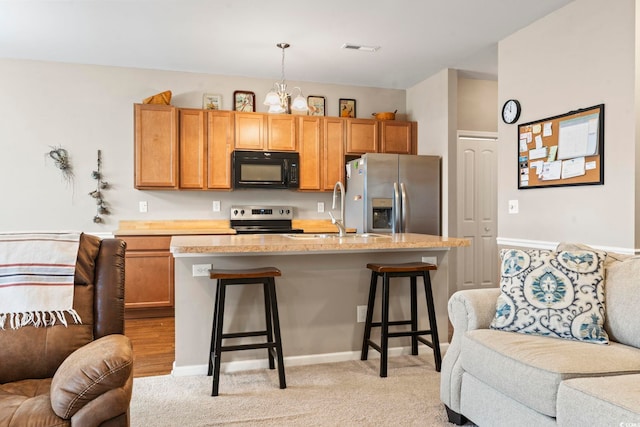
x: 547, y: 130
x: 552, y: 153
x: 523, y: 145
x: 573, y: 167
x: 538, y: 153
x: 538, y: 141
x: 536, y: 128
x: 551, y: 170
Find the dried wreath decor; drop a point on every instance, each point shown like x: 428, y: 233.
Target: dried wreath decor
x: 101, y: 204
x: 60, y: 157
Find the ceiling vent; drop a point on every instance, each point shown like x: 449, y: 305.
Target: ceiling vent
x: 360, y: 47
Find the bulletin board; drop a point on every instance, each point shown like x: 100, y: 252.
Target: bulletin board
x: 563, y: 150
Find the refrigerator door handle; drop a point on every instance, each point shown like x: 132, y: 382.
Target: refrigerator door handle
x: 397, y: 209
x: 405, y: 207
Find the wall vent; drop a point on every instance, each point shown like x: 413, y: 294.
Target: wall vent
x: 360, y: 47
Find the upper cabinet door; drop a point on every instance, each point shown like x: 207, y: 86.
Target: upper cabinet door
x: 193, y: 148
x: 332, y: 152
x: 281, y: 132
x: 156, y: 146
x: 310, y: 149
x: 250, y: 131
x: 398, y: 137
x: 220, y: 133
x: 362, y: 136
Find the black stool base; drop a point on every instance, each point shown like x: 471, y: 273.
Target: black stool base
x: 388, y: 271
x: 273, y: 343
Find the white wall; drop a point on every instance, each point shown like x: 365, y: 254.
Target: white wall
x: 577, y: 57
x: 84, y: 108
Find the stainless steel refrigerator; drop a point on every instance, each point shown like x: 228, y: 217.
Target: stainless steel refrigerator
x: 396, y: 193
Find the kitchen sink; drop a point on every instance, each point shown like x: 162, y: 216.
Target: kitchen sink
x: 337, y: 236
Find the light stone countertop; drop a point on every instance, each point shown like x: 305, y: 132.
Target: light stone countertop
x: 270, y: 244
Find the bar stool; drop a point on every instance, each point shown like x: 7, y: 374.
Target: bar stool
x: 388, y: 271
x: 264, y: 276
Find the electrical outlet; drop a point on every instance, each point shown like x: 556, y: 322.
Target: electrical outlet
x: 143, y: 207
x: 216, y: 205
x: 513, y: 207
x: 320, y: 207
x: 361, y: 313
x: 430, y: 260
x: 201, y: 270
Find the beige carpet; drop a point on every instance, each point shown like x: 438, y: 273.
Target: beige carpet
x: 332, y: 394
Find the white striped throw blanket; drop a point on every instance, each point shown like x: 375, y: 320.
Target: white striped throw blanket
x: 36, y: 278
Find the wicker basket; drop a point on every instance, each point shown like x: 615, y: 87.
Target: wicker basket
x: 163, y: 98
x: 385, y: 116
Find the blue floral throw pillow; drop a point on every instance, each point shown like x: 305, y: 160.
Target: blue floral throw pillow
x: 556, y: 294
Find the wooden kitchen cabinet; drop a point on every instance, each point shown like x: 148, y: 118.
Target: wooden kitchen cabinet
x: 310, y: 147
x: 259, y: 131
x: 333, y: 160
x: 149, y: 276
x: 281, y: 132
x: 206, y: 143
x: 398, y: 137
x: 155, y: 146
x: 193, y: 148
x: 321, y: 148
x: 362, y: 136
x: 220, y: 132
x: 250, y: 131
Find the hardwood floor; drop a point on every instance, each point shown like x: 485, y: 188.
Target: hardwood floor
x: 153, y: 345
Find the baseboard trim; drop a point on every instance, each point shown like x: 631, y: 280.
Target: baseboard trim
x: 312, y: 359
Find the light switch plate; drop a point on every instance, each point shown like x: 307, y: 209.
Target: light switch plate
x: 320, y: 207
x: 513, y: 207
x: 143, y: 207
x: 216, y: 205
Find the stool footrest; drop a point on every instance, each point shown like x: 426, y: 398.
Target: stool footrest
x: 407, y: 333
x: 244, y: 334
x: 247, y: 346
x: 392, y: 323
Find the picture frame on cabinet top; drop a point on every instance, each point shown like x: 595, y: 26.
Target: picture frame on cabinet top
x: 244, y: 101
x: 211, y: 101
x: 347, y: 107
x: 316, y: 105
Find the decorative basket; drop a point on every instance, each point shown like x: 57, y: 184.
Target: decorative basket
x: 163, y: 98
x: 385, y: 116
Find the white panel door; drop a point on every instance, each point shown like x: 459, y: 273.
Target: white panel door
x: 477, y: 211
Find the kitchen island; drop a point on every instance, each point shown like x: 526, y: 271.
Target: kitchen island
x: 324, y: 278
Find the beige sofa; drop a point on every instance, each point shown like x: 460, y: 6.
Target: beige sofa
x: 496, y: 378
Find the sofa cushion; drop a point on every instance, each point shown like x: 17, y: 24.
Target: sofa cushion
x: 556, y: 294
x: 505, y: 360
x: 599, y: 401
x: 26, y: 403
x: 622, y: 292
x: 96, y: 368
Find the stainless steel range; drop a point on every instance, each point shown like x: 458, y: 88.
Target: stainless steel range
x: 262, y: 219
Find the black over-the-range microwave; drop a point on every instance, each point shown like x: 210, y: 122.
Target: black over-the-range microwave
x: 265, y: 169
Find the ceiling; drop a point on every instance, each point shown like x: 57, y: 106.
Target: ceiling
x: 417, y: 38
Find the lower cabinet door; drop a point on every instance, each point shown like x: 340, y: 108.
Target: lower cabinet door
x: 148, y: 279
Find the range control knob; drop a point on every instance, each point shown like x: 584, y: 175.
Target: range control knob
x: 242, y: 212
x: 288, y: 211
x: 235, y: 212
x: 281, y: 211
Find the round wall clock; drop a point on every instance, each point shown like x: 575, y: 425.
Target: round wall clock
x: 511, y: 111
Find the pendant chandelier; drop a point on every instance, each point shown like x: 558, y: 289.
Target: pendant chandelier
x: 278, y: 98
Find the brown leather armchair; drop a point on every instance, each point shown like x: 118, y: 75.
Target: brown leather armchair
x: 80, y: 375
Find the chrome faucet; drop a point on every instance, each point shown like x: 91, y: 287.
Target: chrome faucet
x: 339, y: 222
